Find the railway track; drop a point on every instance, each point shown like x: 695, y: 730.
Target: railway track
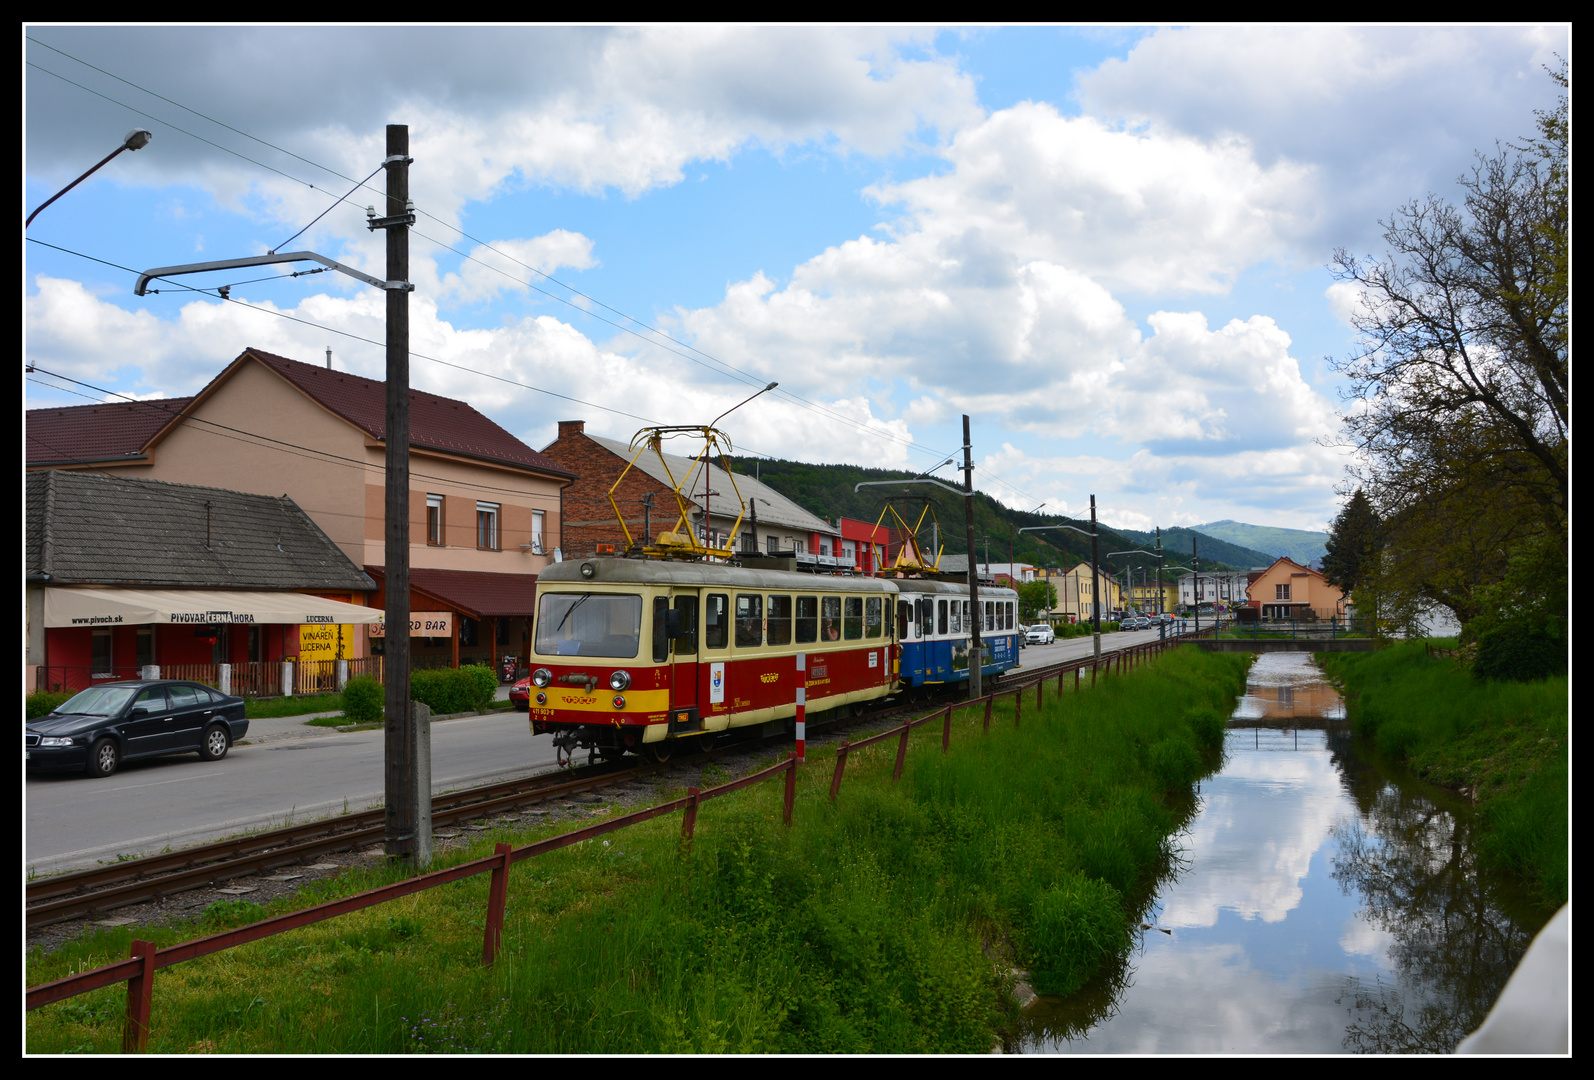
x: 67, y: 896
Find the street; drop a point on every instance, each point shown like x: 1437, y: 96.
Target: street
x: 287, y: 770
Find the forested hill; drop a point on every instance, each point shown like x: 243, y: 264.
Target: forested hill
x: 1176, y: 541
x: 827, y: 491
x: 1302, y: 545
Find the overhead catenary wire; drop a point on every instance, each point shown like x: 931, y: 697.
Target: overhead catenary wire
x: 659, y: 338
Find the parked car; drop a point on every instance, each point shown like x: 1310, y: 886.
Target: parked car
x: 105, y: 725
x: 520, y: 695
x: 1039, y: 634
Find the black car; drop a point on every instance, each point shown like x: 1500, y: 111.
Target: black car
x: 121, y: 721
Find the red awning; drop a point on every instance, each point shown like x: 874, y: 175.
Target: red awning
x: 471, y: 592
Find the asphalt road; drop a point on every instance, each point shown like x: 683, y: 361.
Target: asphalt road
x: 288, y: 770
x: 291, y: 771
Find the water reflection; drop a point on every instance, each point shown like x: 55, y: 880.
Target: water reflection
x: 1321, y: 907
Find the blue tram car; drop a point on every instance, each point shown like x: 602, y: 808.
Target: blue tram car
x: 933, y: 633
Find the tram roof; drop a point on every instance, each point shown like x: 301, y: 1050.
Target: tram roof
x: 947, y: 588
x: 616, y: 571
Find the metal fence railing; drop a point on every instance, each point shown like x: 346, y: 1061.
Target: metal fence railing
x: 138, y: 972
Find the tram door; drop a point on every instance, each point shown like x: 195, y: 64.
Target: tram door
x: 684, y: 662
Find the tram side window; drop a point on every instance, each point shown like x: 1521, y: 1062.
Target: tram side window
x: 749, y: 621
x: 686, y: 640
x: 1010, y: 614
x: 927, y: 615
x: 904, y: 617
x: 957, y: 616
x: 990, y: 615
x: 715, y: 618
x: 661, y: 638
x: 872, y: 610
x: 780, y: 620
x: 852, y: 624
x: 807, y: 619
x: 940, y: 616
x: 829, y: 618
x: 967, y: 625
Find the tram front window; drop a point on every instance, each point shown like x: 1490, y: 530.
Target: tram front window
x: 589, y: 624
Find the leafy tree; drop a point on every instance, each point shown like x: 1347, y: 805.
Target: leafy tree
x: 1353, y: 544
x: 1460, y: 390
x: 1035, y: 597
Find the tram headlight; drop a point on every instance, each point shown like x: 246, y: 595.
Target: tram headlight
x: 542, y: 676
x: 619, y: 680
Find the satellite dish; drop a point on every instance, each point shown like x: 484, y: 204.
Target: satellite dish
x: 558, y: 555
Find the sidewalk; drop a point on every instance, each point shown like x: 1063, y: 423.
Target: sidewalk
x: 278, y: 728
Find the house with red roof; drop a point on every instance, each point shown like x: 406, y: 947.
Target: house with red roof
x: 484, y: 506
x: 1288, y: 590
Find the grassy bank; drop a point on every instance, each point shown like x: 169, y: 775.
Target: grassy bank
x: 885, y: 922
x: 1504, y: 744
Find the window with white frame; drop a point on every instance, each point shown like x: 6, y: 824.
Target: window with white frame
x: 1281, y: 592
x: 487, y: 526
x: 434, y: 520
x: 538, y: 517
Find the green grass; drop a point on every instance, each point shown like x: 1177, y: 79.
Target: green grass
x: 298, y: 705
x: 886, y: 922
x: 1505, y: 743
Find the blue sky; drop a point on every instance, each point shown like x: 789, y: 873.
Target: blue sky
x: 1108, y: 245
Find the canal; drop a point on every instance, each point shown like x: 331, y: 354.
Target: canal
x: 1319, y: 905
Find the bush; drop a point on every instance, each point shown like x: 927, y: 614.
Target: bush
x: 447, y: 690
x: 41, y: 702
x: 1076, y: 927
x: 362, y: 699
x: 1520, y: 654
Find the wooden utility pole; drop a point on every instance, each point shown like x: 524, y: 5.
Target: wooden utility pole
x: 976, y: 650
x: 407, y: 768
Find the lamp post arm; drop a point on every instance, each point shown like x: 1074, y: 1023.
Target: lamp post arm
x: 899, y: 483
x: 264, y: 260
x: 1038, y: 528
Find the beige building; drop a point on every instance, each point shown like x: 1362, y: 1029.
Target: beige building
x: 1288, y: 590
x: 484, y: 507
x: 1077, y: 590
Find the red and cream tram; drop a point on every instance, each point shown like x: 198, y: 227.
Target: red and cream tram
x: 637, y: 654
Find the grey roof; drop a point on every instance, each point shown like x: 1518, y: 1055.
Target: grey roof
x: 84, y: 528
x: 775, y: 509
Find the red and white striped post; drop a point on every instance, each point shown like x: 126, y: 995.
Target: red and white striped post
x: 802, y: 704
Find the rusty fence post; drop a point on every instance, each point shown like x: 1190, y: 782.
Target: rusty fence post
x: 1039, y: 683
x: 902, y: 754
x: 946, y: 731
x: 1060, y: 675
x: 497, y: 893
x: 1018, y: 706
x: 791, y: 785
x: 990, y: 699
x: 140, y: 991
x: 841, y: 765
x: 1076, y: 680
x: 1093, y: 666
x: 689, y: 818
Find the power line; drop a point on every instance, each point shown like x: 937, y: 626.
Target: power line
x: 727, y: 368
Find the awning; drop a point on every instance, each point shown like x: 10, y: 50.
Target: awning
x: 199, y: 607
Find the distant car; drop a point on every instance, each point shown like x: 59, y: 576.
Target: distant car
x: 520, y: 695
x: 105, y: 725
x: 1040, y: 634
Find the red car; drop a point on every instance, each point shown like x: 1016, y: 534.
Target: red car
x: 520, y: 695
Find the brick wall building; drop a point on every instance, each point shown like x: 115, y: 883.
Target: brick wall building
x: 772, y: 522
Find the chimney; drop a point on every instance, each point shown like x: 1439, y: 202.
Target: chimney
x: 571, y: 427
x: 329, y: 358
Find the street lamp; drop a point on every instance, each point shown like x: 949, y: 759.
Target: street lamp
x: 1095, y: 574
x: 136, y: 139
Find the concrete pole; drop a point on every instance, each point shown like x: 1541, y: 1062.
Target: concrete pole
x: 1095, y: 582
x: 976, y: 651
x: 407, y: 773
